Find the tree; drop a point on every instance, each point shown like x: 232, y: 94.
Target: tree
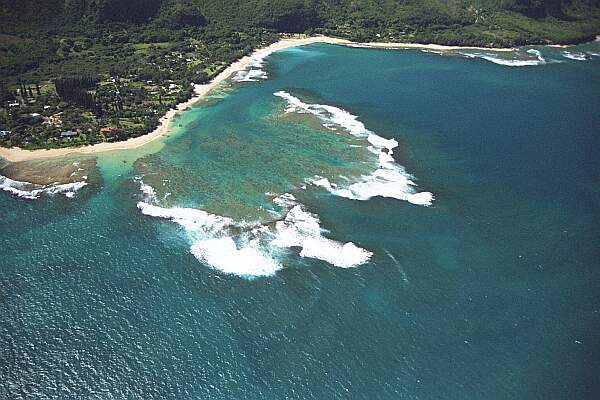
x: 5, y: 93
x: 73, y: 90
x: 182, y: 13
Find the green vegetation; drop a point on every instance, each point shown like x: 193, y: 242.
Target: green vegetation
x: 108, y: 85
x: 86, y: 71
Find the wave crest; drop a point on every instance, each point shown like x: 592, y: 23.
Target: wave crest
x: 388, y: 180
x: 492, y: 57
x: 32, y: 191
x: 252, y: 249
x: 253, y: 71
x: 575, y: 55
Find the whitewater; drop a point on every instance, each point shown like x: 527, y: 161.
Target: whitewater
x: 260, y: 248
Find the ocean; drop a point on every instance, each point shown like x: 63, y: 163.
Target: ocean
x: 331, y: 223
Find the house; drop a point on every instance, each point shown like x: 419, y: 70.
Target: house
x: 106, y: 130
x: 69, y: 134
x: 53, y: 120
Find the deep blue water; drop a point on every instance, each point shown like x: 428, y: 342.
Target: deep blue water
x: 492, y: 292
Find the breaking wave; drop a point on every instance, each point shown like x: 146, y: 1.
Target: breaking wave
x: 32, y: 191
x: 254, y: 249
x: 530, y: 57
x: 302, y: 229
x: 577, y: 56
x: 253, y: 72
x: 492, y: 57
x: 388, y: 180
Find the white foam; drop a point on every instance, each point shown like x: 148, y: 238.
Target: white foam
x: 252, y: 75
x: 68, y: 189
x: 32, y: 191
x: 577, y: 56
x: 285, y: 201
x: 190, y: 219
x: 302, y: 229
x: 258, y: 61
x: 224, y: 255
x: 253, y: 72
x: 209, y: 238
x: 148, y: 191
x: 297, y: 225
x: 330, y: 115
x: 251, y: 250
x: 392, y: 182
x: 322, y: 182
x: 432, y: 51
x: 540, y: 60
x: 389, y: 180
x: 346, y: 255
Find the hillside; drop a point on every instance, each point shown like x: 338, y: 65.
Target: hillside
x: 443, y: 21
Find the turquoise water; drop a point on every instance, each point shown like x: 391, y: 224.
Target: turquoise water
x: 208, y: 284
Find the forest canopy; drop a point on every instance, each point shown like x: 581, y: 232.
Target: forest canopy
x: 519, y: 21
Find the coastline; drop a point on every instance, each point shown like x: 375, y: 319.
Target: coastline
x: 16, y: 154
x: 430, y: 46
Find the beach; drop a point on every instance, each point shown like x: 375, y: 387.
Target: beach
x: 16, y: 154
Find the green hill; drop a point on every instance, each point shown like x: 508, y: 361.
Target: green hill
x: 443, y: 21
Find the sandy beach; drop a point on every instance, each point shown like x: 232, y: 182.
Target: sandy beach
x: 16, y: 154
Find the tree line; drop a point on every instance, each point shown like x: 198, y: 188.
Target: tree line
x: 74, y: 90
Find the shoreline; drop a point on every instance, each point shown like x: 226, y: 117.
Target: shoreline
x: 15, y: 154
x: 430, y: 46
